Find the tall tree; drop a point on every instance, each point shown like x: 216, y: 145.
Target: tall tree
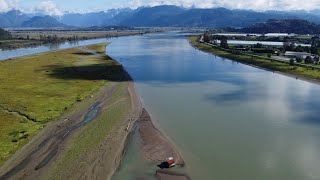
x: 224, y: 42
x: 308, y: 60
x: 5, y: 34
x: 207, y: 37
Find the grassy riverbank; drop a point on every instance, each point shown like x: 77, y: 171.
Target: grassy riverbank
x: 40, y: 88
x: 31, y: 38
x: 286, y: 68
x: 15, y: 43
x: 82, y: 35
x: 95, y: 147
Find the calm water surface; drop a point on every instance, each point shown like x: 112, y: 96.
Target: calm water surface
x: 229, y: 121
x: 49, y: 47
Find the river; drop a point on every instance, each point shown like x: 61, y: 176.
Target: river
x: 228, y: 120
x: 6, y: 54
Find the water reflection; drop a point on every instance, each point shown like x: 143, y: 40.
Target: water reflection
x: 61, y: 45
x: 229, y: 120
x: 47, y: 47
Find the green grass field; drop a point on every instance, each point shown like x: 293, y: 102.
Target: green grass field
x: 13, y: 44
x: 91, y: 136
x: 40, y: 88
x: 286, y: 68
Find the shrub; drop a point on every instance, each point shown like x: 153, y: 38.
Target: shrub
x: 299, y: 60
x: 292, y: 61
x: 308, y: 60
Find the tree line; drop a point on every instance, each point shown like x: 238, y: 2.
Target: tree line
x: 208, y: 38
x: 5, y: 35
x: 56, y: 39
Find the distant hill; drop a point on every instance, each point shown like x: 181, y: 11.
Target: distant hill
x: 4, y: 34
x: 176, y: 16
x: 102, y: 18
x: 12, y: 18
x: 16, y: 18
x: 283, y: 26
x: 158, y: 16
x: 106, y: 28
x: 154, y: 16
x: 216, y: 17
x: 42, y: 22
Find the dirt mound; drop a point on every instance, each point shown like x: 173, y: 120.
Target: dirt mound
x: 155, y: 145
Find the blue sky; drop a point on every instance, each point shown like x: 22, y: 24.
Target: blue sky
x: 58, y: 7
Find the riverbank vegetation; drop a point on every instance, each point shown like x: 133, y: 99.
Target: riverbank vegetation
x: 88, y: 142
x: 4, y: 35
x: 40, y: 88
x: 292, y: 69
x: 27, y: 38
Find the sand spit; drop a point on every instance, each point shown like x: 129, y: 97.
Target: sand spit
x: 157, y: 148
x: 166, y: 175
x: 155, y: 145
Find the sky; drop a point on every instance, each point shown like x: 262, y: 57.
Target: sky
x: 58, y: 7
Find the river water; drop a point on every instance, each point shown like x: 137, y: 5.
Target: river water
x: 48, y: 47
x: 228, y: 120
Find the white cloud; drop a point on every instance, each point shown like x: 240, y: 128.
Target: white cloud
x: 3, y: 6
x: 49, y: 8
x: 136, y: 3
x: 7, y: 5
x: 259, y: 5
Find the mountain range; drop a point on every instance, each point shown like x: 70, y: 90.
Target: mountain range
x: 42, y: 21
x: 13, y: 18
x: 158, y: 16
x: 296, y: 26
x: 101, y: 18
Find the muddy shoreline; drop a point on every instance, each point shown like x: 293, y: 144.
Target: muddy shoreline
x: 30, y: 161
x: 17, y: 43
x: 167, y: 175
x: 157, y: 148
x: 36, y: 158
x: 39, y: 155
